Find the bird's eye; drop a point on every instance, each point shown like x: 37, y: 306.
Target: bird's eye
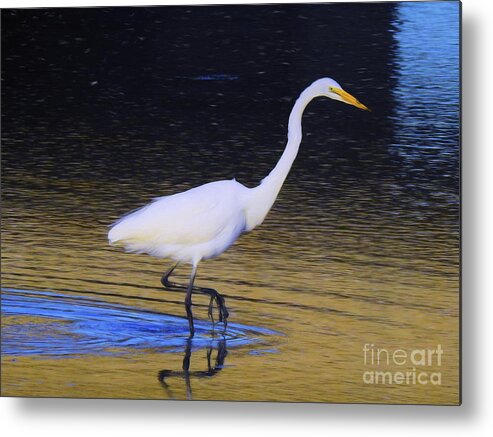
x: 331, y: 89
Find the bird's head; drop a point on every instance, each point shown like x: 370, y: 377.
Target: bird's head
x: 328, y: 87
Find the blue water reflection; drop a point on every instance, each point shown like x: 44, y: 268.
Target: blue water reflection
x: 50, y: 324
x: 426, y: 93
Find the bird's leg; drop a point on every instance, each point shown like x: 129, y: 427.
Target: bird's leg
x: 188, y: 301
x: 172, y: 286
x: 220, y: 303
x: 214, y: 295
x: 166, y: 275
x: 223, y: 311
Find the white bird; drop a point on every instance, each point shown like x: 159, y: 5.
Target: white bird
x: 203, y: 222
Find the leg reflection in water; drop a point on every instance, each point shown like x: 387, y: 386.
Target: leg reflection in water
x: 186, y: 374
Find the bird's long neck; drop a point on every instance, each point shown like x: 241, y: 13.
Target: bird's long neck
x: 264, y: 195
x: 274, y: 181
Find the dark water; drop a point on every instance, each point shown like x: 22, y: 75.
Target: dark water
x: 104, y: 109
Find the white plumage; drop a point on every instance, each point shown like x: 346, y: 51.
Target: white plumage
x: 197, y: 224
x: 203, y: 222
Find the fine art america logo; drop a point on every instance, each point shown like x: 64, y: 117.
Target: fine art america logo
x: 402, y: 367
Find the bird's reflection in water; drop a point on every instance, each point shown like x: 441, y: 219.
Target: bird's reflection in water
x: 187, y: 374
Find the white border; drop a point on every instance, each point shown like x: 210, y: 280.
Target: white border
x: 130, y: 418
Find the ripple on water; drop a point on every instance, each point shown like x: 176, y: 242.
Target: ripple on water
x: 52, y: 324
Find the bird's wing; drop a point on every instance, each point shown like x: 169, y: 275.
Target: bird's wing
x: 192, y: 217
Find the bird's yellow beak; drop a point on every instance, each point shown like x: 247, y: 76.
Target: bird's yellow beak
x: 349, y: 99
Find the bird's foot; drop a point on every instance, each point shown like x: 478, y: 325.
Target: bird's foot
x: 223, y: 311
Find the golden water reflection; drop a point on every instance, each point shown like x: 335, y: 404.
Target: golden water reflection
x: 327, y: 286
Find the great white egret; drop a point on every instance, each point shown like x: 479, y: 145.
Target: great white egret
x: 203, y: 222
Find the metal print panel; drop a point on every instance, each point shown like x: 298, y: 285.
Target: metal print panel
x: 255, y: 202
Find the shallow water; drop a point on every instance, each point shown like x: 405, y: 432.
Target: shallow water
x: 361, y: 247
x: 100, y: 327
